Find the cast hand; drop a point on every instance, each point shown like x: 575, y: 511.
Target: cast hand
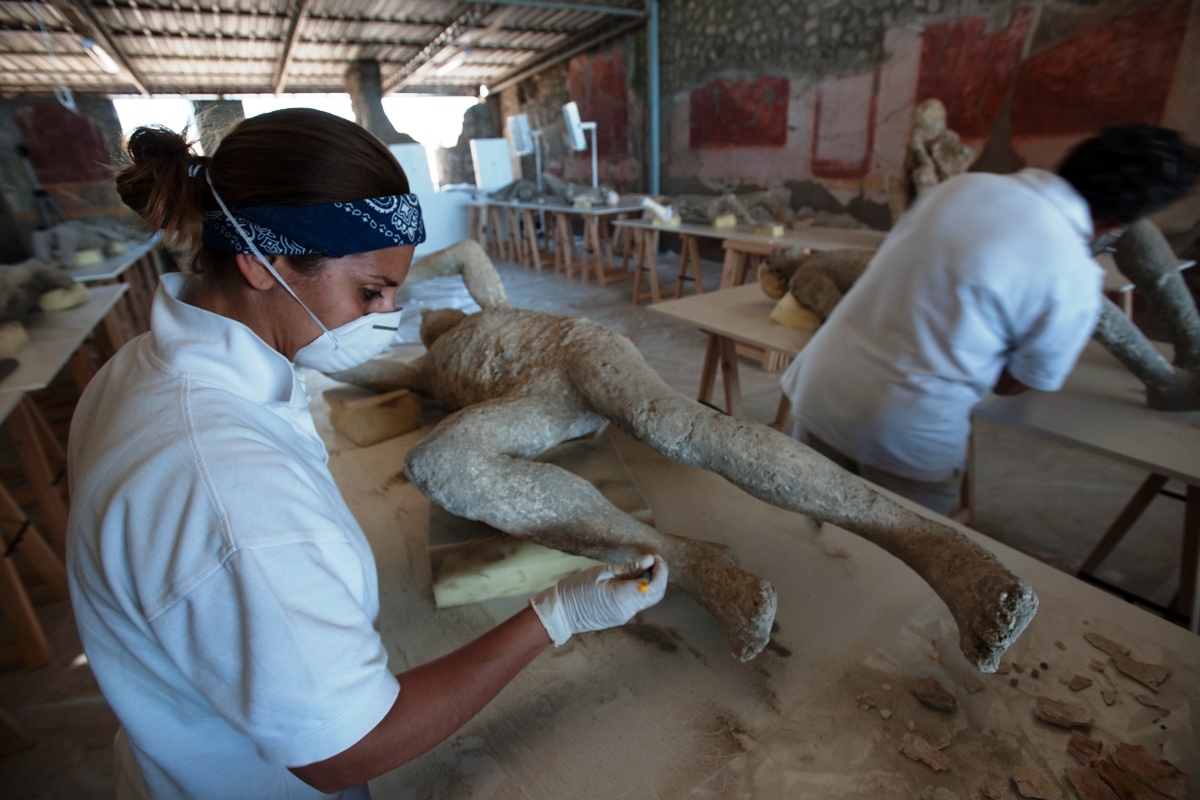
x: 601, y: 597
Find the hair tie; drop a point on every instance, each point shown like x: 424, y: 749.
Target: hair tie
x: 194, y: 170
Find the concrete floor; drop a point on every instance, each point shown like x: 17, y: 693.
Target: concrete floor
x: 1046, y: 499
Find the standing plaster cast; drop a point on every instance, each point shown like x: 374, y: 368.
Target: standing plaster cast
x: 520, y: 382
x: 934, y: 154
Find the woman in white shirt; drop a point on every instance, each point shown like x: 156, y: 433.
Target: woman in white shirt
x: 225, y: 596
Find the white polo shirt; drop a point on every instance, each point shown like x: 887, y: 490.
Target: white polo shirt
x: 984, y: 272
x: 225, y: 596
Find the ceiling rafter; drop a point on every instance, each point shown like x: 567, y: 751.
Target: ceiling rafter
x: 463, y: 22
x: 82, y: 18
x: 289, y: 47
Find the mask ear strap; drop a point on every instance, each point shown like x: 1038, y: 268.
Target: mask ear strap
x: 258, y: 253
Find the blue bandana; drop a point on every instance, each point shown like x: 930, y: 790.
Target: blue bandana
x: 334, y: 229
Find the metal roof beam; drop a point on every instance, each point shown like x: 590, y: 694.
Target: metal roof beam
x: 570, y: 51
x: 463, y: 22
x: 81, y: 17
x: 289, y: 46
x: 567, y: 6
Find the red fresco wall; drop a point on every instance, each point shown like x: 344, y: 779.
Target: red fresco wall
x: 1115, y: 71
x: 728, y: 113
x: 844, y: 125
x: 598, y: 85
x: 64, y: 148
x: 970, y: 70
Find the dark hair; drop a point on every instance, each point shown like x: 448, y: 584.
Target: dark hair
x: 292, y: 157
x: 1129, y: 171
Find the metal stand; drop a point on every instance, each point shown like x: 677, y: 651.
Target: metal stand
x: 591, y: 126
x: 47, y: 206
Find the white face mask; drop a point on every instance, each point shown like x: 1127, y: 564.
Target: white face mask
x: 344, y: 347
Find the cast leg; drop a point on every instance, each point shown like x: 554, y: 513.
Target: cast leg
x: 990, y: 604
x: 474, y: 464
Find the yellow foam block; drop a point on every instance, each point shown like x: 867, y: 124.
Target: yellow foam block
x: 725, y: 221
x: 673, y: 222
x: 367, y: 418
x: 86, y: 258
x: 62, y: 299
x: 789, y: 312
x: 777, y: 229
x: 13, y: 337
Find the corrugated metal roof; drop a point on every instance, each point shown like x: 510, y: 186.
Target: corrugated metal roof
x: 251, y: 46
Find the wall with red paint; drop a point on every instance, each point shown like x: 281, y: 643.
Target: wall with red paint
x: 608, y: 86
x: 818, y: 96
x: 72, y: 155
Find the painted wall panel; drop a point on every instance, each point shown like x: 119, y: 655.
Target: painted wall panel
x: 739, y: 113
x: 1114, y: 71
x: 971, y: 70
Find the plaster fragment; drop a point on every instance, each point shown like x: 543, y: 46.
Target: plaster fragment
x: 1061, y: 713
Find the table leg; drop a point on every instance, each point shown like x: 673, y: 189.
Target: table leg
x: 516, y: 239
x: 729, y: 376
x: 113, y: 331
x: 22, y: 621
x: 83, y: 369
x: 591, y: 240
x: 29, y: 542
x: 24, y: 432
x: 729, y: 270
x: 708, y: 375
x: 532, y: 239
x: 1124, y: 521
x: 651, y: 247
x: 568, y: 234
x: 689, y: 255
x: 782, y: 413
x: 647, y: 262
x: 964, y: 512
x: 498, y: 235
x: 1188, y: 601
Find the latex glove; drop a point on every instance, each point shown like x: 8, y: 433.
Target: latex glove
x: 604, y: 596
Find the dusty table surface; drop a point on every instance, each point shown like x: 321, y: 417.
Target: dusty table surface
x: 659, y: 709
x: 55, y: 335
x: 814, y: 237
x: 1102, y: 408
x: 742, y: 313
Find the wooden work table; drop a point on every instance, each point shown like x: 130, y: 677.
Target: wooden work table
x: 736, y: 240
x: 1102, y: 408
x: 729, y: 317
x: 507, y: 228
x: 660, y: 709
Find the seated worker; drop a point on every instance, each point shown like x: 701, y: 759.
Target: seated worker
x: 986, y: 284
x: 226, y: 598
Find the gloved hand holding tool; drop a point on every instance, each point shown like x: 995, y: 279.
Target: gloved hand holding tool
x: 602, y: 597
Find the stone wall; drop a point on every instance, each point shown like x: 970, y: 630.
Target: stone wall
x: 817, y: 95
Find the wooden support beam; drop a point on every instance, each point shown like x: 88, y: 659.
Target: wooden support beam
x: 294, y: 19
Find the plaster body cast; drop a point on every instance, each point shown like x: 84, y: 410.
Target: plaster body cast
x: 521, y: 382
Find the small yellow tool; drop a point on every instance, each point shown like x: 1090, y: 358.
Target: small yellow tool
x: 644, y: 582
